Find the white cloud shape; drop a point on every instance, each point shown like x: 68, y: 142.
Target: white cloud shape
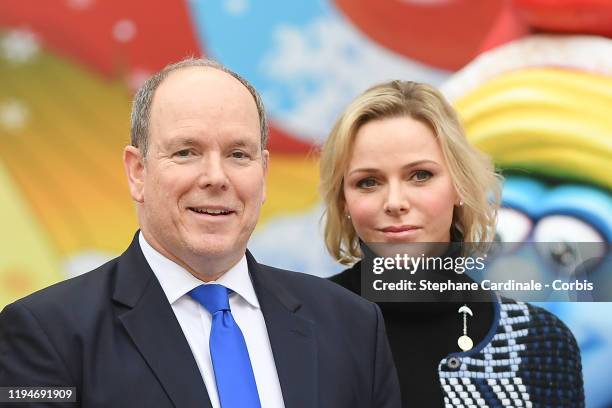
x: 19, y: 46
x: 581, y: 52
x: 236, y: 7
x: 294, y: 242
x: 13, y: 115
x: 320, y: 67
x: 85, y: 261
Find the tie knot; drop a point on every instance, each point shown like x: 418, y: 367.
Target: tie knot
x: 213, y: 297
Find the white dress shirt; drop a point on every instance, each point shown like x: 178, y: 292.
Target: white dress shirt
x: 196, y: 322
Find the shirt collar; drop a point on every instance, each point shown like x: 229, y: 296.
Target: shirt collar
x: 176, y: 281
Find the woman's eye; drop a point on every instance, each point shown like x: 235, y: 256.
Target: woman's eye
x: 366, y: 183
x: 421, y: 175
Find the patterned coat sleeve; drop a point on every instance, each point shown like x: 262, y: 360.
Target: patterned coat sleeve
x: 532, y: 360
x: 552, y: 362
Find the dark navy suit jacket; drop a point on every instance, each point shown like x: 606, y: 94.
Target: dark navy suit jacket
x: 112, y: 334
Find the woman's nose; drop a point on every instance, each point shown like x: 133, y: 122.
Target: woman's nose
x: 396, y: 201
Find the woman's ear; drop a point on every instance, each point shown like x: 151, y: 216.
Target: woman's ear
x: 133, y: 163
x: 345, y: 211
x: 458, y: 201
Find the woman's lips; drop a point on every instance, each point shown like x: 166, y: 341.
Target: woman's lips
x: 402, y: 232
x: 400, y: 228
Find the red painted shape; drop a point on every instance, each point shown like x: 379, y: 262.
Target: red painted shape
x: 568, y: 16
x: 281, y: 142
x: 163, y: 31
x: 446, y: 33
x: 163, y: 34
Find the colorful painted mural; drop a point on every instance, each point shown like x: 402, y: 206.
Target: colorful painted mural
x: 532, y: 80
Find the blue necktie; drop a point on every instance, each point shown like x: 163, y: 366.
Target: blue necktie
x: 233, y: 371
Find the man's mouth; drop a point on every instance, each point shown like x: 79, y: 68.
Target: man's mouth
x: 211, y: 211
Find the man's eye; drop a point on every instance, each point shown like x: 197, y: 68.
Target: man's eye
x: 421, y: 175
x: 367, y: 183
x: 183, y: 153
x: 239, y: 154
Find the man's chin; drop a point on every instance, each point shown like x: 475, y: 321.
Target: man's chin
x: 215, y: 249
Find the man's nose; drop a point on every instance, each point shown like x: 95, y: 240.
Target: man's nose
x: 213, y: 174
x: 396, y: 200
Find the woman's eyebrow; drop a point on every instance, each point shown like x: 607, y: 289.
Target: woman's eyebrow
x: 363, y: 170
x: 419, y: 162
x: 408, y: 165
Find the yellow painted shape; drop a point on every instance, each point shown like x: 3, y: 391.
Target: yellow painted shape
x: 553, y: 162
x: 28, y: 261
x: 292, y: 185
x: 552, y: 121
x: 564, y: 81
x: 67, y: 158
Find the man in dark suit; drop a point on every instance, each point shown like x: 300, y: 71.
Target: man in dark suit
x: 186, y: 317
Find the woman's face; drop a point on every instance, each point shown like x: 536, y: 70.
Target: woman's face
x: 397, y: 185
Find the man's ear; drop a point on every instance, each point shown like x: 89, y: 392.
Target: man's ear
x: 265, y: 157
x: 134, y: 169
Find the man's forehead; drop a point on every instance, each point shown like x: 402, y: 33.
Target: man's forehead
x: 202, y: 90
x: 229, y: 140
x: 201, y: 81
x: 203, y: 98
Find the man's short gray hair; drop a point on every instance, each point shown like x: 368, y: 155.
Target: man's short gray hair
x: 141, y: 107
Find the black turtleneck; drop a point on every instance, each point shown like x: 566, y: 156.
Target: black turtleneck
x: 421, y: 335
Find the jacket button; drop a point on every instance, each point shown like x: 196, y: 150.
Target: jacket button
x: 453, y: 363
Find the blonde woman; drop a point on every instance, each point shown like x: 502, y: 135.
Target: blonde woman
x: 397, y: 168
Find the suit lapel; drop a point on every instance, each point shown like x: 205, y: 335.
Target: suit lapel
x: 152, y: 325
x: 292, y: 338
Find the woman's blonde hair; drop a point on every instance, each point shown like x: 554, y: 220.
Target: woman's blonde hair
x: 472, y: 173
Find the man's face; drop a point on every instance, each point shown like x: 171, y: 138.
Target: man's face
x: 203, y: 180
